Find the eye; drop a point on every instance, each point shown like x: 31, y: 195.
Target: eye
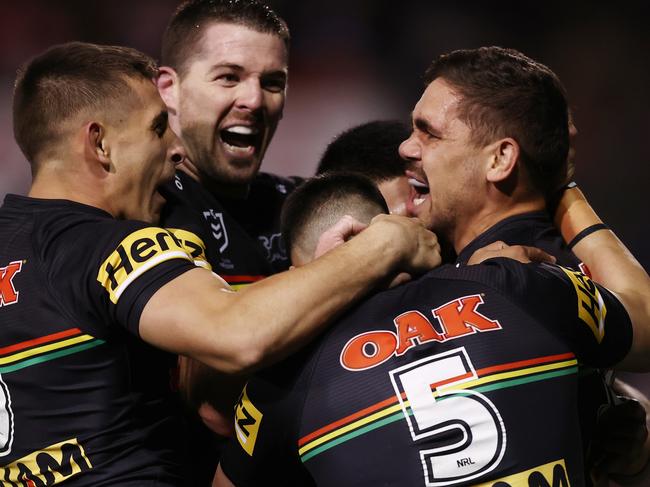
x: 160, y: 129
x: 159, y: 124
x: 227, y: 79
x: 275, y: 84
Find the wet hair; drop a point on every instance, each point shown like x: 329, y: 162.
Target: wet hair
x: 370, y: 149
x: 323, y: 200
x: 66, y: 80
x: 504, y: 93
x: 189, y: 21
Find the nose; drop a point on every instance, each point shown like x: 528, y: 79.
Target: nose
x: 250, y: 95
x: 410, y: 149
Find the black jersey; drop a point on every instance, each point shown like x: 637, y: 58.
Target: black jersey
x: 466, y: 376
x: 536, y: 229
x: 239, y: 239
x: 83, y: 399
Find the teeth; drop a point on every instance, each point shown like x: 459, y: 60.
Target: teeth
x: 234, y: 148
x: 418, y: 201
x: 416, y: 183
x: 242, y: 129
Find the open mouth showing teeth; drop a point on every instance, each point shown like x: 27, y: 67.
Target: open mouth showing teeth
x: 240, y: 136
x: 421, y: 191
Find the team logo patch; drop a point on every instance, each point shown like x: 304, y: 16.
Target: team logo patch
x: 591, y: 307
x: 218, y: 227
x: 136, y: 254
x: 8, y: 292
x: 552, y: 474
x: 274, y: 245
x: 247, y: 422
x: 50, y: 466
x: 193, y: 245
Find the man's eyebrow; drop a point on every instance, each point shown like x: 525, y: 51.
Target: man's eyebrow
x: 233, y: 66
x: 158, y: 120
x: 424, y: 126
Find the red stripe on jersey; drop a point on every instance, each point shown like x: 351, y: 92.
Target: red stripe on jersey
x: 38, y: 341
x: 525, y: 363
x: 348, y: 419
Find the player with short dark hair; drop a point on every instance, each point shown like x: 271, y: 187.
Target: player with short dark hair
x: 88, y: 296
x: 223, y: 78
x: 490, y: 134
x: 187, y: 24
x: 317, y: 206
x: 431, y: 383
x: 371, y: 149
x: 66, y: 82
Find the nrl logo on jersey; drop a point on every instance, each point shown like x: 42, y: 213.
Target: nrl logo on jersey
x: 8, y: 293
x: 218, y: 227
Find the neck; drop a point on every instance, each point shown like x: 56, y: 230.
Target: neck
x: 47, y: 184
x: 227, y: 190
x: 490, y: 216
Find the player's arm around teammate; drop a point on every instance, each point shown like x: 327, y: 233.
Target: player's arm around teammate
x: 197, y: 315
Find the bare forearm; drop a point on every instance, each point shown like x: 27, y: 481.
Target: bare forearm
x: 291, y: 308
x: 610, y: 262
x: 195, y: 315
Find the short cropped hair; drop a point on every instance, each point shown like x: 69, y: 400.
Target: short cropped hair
x: 321, y: 201
x: 190, y: 19
x: 370, y: 149
x: 503, y: 93
x: 65, y: 80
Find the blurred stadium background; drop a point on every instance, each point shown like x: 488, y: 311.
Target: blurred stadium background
x: 357, y: 60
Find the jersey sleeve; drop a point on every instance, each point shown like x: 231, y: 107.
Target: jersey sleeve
x: 585, y: 314
x: 105, y: 271
x: 264, y: 449
x: 597, y: 324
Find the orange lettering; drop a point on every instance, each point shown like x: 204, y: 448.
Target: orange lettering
x: 368, y: 350
x: 412, y: 326
x: 459, y: 317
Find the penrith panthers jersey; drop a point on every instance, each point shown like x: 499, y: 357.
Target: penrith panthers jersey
x: 82, y: 398
x: 465, y: 377
x: 239, y: 239
x: 536, y: 229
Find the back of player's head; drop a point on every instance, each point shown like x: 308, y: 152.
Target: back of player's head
x: 504, y: 93
x: 370, y: 149
x: 66, y: 81
x: 189, y: 21
x: 319, y: 203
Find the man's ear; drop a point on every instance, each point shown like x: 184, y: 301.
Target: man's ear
x: 167, y: 83
x: 503, y: 158
x: 97, y: 147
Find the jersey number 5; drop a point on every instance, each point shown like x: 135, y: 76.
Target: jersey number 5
x: 464, y: 429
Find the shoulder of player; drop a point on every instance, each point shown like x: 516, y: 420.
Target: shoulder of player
x: 275, y: 184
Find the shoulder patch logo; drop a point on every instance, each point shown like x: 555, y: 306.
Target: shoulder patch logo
x: 139, y: 252
x: 247, y: 422
x: 218, y: 227
x: 591, y: 307
x: 8, y: 293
